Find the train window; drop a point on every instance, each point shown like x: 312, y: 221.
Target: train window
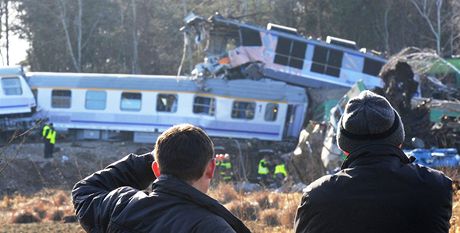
x: 11, y: 86
x: 61, y: 98
x: 250, y: 37
x: 372, y: 67
x: 224, y: 41
x: 131, y: 101
x: 204, y: 105
x: 290, y: 52
x: 243, y: 110
x: 167, y: 103
x: 283, y: 48
x: 327, y: 61
x: 271, y: 111
x: 95, y: 100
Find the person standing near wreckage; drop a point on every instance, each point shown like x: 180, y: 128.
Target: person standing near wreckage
x: 378, y: 189
x: 49, y: 139
x: 112, y: 200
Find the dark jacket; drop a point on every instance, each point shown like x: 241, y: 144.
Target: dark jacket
x: 110, y: 200
x: 377, y: 190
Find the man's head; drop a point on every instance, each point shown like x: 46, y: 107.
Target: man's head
x: 369, y: 119
x: 184, y: 151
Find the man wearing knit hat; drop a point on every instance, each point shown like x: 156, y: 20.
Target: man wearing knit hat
x: 378, y: 188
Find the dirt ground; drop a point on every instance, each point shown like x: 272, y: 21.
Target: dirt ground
x: 24, y: 170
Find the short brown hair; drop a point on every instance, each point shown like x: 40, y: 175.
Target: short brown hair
x: 183, y: 151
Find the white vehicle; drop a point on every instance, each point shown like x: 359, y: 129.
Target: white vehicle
x: 281, y: 53
x: 17, y: 102
x: 97, y: 105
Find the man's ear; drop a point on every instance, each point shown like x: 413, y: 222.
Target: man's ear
x: 209, y: 171
x: 156, y: 169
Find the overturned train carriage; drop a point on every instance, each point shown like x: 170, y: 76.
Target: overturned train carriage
x: 281, y: 53
x: 98, y: 105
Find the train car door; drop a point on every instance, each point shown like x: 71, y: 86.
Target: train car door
x: 294, y: 120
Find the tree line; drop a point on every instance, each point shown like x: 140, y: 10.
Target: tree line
x: 142, y: 36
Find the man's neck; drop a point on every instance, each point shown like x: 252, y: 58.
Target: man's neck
x: 199, y: 184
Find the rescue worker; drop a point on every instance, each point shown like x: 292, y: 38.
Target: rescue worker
x: 224, y: 167
x: 280, y: 172
x: 263, y: 171
x: 49, y: 139
x: 45, y: 130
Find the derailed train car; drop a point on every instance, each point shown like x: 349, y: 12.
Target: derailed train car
x: 280, y: 53
x: 97, y: 106
x: 17, y: 104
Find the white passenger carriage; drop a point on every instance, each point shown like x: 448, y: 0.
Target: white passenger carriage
x: 17, y: 102
x: 283, y: 54
x: 96, y: 104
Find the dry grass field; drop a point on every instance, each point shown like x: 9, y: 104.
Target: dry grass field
x: 49, y: 210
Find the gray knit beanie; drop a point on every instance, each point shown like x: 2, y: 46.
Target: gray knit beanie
x: 369, y: 119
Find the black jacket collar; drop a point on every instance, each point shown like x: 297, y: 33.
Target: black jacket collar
x: 176, y: 187
x: 376, y: 150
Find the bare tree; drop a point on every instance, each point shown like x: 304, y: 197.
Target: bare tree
x: 76, y: 59
x: 186, y: 51
x: 78, y: 25
x: 135, y: 63
x: 75, y: 42
x: 2, y: 12
x: 244, y: 7
x: 7, y: 31
x: 382, y: 26
x: 454, y: 26
x: 424, y: 8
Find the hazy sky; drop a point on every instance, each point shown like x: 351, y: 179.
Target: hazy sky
x: 18, y: 49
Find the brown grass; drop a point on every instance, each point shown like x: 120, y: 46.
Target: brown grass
x: 25, y: 217
x: 48, y: 205
x: 56, y: 215
x: 275, y: 200
x: 455, y: 220
x: 263, y: 200
x: 40, y: 211
x: 261, y: 211
x: 60, y: 198
x: 245, y: 211
x: 224, y: 193
x: 270, y: 217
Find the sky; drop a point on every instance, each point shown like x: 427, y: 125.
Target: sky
x: 17, y: 53
x: 18, y: 47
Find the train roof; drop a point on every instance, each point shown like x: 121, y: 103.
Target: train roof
x: 11, y: 71
x: 263, y: 89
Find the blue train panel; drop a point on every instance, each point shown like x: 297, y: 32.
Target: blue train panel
x: 443, y: 157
